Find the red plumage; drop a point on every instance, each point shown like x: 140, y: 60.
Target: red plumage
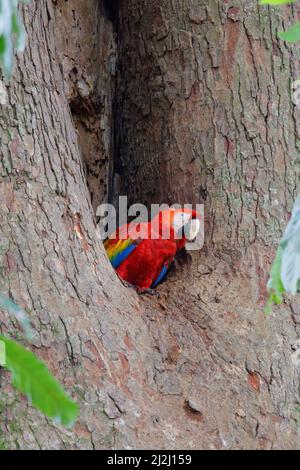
x: 142, y: 253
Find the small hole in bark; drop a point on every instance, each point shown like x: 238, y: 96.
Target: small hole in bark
x: 192, y: 411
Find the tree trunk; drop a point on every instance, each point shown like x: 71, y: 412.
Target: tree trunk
x: 165, y: 101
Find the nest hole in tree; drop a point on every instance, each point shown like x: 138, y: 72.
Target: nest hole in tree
x: 95, y: 122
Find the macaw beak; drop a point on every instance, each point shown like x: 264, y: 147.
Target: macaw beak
x: 191, y: 229
x: 187, y: 223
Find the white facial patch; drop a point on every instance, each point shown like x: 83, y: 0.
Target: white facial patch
x: 181, y: 219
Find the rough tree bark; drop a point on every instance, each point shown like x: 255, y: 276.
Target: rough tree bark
x: 202, y: 113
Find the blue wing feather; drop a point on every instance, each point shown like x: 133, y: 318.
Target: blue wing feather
x: 120, y: 257
x: 161, y: 276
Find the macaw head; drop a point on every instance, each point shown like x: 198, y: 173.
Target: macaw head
x: 181, y: 223
x: 186, y: 222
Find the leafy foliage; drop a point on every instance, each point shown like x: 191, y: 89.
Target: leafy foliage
x: 276, y: 2
x: 285, y: 273
x: 275, y: 285
x: 10, y: 26
x: 292, y: 34
x: 31, y: 377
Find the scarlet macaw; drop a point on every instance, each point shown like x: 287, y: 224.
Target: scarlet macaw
x: 142, y: 252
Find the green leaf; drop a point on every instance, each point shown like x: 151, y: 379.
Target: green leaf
x: 292, y: 34
x: 2, y: 45
x: 18, y: 313
x: 285, y: 272
x: 275, y: 285
x: 31, y: 377
x: 18, y: 29
x: 10, y: 26
x: 276, y: 2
